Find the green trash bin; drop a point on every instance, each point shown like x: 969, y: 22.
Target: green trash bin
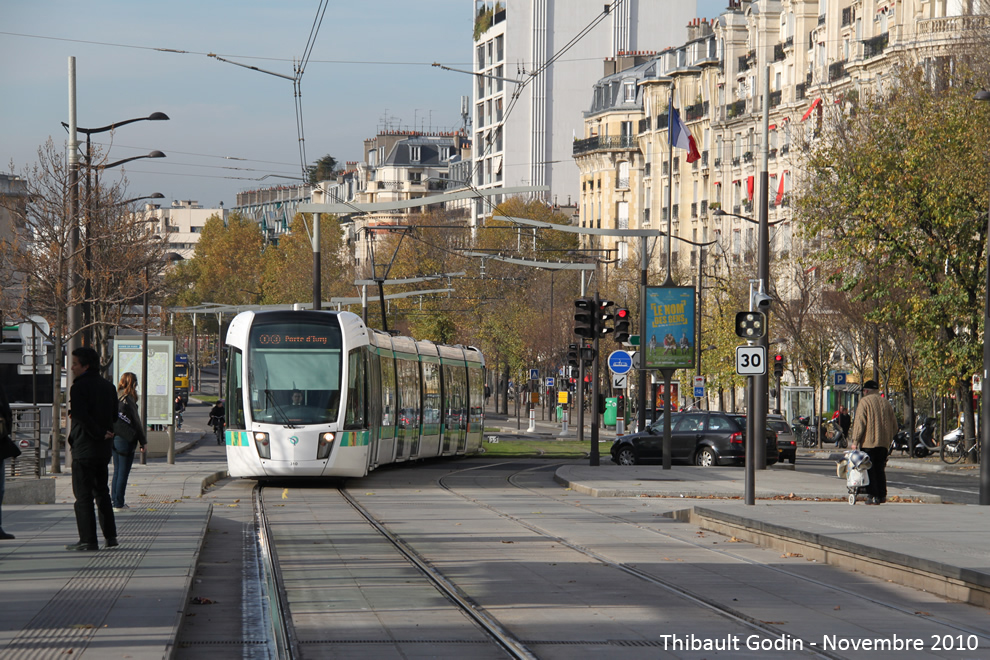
x: 611, y: 411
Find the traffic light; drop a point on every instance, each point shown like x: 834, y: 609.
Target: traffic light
x: 572, y: 355
x: 588, y: 355
x: 603, y: 317
x: 751, y: 325
x: 778, y: 365
x: 584, y: 325
x: 621, y: 325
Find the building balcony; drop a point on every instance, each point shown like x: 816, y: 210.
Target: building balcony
x: 875, y: 46
x: 735, y: 162
x: 696, y: 111
x: 949, y: 27
x: 736, y: 109
x: 778, y: 52
x: 837, y: 71
x: 748, y: 157
x: 604, y: 143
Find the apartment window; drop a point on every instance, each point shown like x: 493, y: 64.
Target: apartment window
x: 414, y: 154
x: 625, y: 129
x: 623, y: 215
x: 629, y: 91
x: 481, y: 115
x: 481, y: 56
x: 498, y: 78
x: 623, y: 181
x: 445, y: 153
x: 371, y: 158
x: 381, y: 155
x: 499, y: 48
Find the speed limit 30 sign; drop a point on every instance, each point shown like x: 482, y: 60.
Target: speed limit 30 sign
x: 751, y: 360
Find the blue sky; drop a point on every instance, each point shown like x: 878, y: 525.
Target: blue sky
x: 368, y: 66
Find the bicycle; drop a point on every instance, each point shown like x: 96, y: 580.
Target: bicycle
x: 952, y: 451
x: 217, y: 425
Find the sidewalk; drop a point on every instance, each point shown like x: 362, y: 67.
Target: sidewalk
x: 125, y: 602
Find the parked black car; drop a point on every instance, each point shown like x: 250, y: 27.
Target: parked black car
x: 702, y: 438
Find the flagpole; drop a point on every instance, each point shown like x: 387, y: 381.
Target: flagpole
x: 670, y: 181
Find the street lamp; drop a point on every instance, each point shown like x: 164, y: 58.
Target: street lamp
x: 156, y: 195
x: 154, y: 116
x: 984, y: 95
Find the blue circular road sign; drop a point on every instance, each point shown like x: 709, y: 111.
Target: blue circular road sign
x: 620, y: 362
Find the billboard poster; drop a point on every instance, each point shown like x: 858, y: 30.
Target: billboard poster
x: 660, y: 397
x: 669, y: 340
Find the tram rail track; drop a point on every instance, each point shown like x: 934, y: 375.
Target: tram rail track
x: 284, y: 640
x: 515, y: 645
x: 720, y: 608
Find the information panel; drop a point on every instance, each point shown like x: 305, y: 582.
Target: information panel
x: 127, y: 353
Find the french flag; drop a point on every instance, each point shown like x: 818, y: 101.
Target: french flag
x: 679, y: 134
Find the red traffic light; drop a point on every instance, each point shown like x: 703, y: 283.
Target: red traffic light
x: 622, y: 314
x: 778, y: 358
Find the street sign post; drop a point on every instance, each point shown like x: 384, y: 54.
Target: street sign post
x: 751, y: 360
x: 840, y: 377
x: 619, y: 381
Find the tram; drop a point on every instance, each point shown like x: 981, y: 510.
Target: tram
x: 319, y: 394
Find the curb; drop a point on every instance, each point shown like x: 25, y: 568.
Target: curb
x: 936, y: 577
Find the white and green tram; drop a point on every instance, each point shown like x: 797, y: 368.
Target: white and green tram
x: 319, y: 394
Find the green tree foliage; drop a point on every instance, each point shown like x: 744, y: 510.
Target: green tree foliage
x: 899, y: 190
x: 226, y: 267
x: 288, y: 267
x: 322, y: 170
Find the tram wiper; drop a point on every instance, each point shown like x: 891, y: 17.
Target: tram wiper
x: 270, y: 399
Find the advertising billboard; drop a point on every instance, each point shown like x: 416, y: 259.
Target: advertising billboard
x: 669, y: 340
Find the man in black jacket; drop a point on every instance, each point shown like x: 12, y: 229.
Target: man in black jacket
x: 94, y: 409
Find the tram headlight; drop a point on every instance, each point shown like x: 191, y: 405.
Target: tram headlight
x: 326, y: 444
x: 262, y: 442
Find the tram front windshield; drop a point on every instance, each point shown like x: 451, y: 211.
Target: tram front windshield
x: 294, y: 372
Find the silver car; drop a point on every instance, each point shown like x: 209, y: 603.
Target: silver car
x: 786, y: 439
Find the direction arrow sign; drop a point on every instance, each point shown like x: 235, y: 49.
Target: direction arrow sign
x: 619, y: 362
x: 619, y: 381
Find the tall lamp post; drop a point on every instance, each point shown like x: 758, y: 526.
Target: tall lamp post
x: 984, y: 95
x: 154, y: 116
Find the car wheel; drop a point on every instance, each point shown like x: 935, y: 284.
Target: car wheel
x: 792, y: 459
x: 626, y: 456
x: 706, y: 457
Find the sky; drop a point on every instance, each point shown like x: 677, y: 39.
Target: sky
x: 231, y: 129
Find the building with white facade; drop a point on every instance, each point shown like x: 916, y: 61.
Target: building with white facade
x: 532, y: 87
x: 182, y: 223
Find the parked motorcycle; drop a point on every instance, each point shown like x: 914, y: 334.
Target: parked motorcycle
x: 922, y: 441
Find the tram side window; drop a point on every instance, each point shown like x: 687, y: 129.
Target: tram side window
x: 355, y: 415
x: 235, y: 402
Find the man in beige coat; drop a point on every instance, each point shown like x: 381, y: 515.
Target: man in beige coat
x: 873, y: 430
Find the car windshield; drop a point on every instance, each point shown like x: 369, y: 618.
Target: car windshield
x: 779, y: 427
